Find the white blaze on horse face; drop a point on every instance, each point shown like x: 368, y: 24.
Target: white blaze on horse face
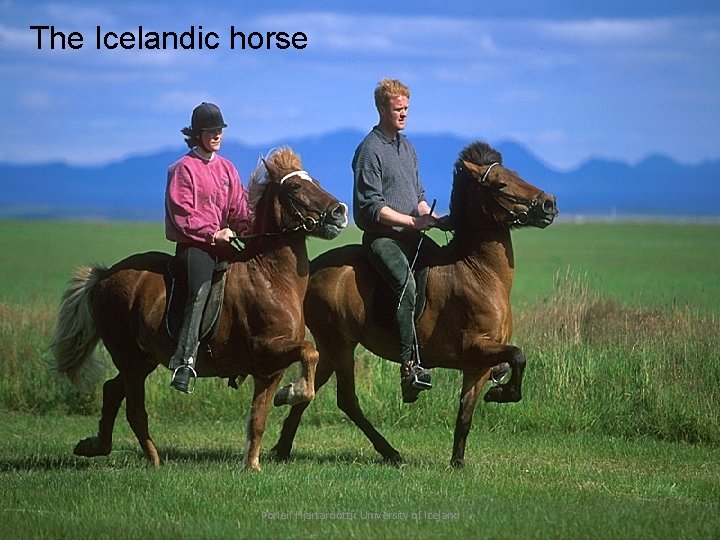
x: 345, y: 213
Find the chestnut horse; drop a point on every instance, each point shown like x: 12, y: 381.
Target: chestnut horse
x: 261, y: 329
x: 466, y: 323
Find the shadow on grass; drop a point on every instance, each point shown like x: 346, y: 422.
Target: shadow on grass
x: 345, y: 457
x: 127, y: 457
x: 122, y: 458
x: 44, y: 463
x: 174, y: 454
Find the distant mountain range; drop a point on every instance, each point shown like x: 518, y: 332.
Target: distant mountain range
x: 133, y: 189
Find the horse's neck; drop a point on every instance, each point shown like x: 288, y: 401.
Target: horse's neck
x: 283, y: 259
x: 487, y: 249
x: 276, y: 247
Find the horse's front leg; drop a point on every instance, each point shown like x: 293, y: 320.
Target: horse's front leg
x: 481, y: 358
x: 283, y: 352
x: 473, y: 382
x: 511, y: 391
x: 255, y: 427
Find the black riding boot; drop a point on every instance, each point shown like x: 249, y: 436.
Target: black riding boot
x: 183, y: 361
x: 413, y: 377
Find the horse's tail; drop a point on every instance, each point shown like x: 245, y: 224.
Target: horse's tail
x: 75, y: 338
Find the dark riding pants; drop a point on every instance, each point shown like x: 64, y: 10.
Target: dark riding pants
x: 392, y: 259
x: 196, y: 265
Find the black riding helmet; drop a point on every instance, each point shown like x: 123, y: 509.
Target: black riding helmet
x: 206, y: 117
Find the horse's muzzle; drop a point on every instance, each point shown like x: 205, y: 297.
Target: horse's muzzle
x: 334, y: 221
x: 544, y: 212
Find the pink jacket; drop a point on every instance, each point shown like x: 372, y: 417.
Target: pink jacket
x: 203, y: 197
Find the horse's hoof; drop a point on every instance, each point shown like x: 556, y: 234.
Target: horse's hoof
x: 90, y: 447
x: 502, y: 394
x: 394, y: 459
x: 290, y: 395
x: 282, y: 396
x: 253, y: 467
x: 457, y: 463
x: 275, y: 454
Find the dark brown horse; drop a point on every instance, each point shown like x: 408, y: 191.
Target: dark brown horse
x: 466, y: 323
x: 261, y: 330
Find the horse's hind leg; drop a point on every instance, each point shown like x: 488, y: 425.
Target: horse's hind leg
x: 348, y: 402
x: 101, y: 444
x: 136, y: 412
x: 282, y: 449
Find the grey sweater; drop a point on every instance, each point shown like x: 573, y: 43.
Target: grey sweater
x: 385, y: 174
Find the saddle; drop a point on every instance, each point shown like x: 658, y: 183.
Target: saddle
x: 176, y: 298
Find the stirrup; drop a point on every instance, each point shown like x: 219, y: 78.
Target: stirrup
x: 500, y: 374
x: 420, y: 377
x: 417, y: 380
x: 182, y: 378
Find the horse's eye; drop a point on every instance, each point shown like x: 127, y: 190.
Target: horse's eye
x: 500, y: 186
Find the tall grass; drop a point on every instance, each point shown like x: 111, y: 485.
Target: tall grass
x: 594, y: 366
x: 600, y: 366
x: 26, y: 381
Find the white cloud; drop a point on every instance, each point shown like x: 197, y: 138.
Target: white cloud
x: 181, y: 101
x: 542, y: 81
x: 607, y: 32
x: 37, y: 101
x: 15, y: 38
x: 416, y: 36
x: 81, y: 17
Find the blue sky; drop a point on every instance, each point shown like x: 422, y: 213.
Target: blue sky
x: 570, y: 80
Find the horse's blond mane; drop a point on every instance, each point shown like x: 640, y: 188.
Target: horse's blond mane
x: 284, y: 159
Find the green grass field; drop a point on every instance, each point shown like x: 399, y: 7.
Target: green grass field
x: 651, y: 264
x: 617, y: 436
x: 515, y: 486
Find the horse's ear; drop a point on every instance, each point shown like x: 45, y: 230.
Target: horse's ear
x: 473, y: 168
x: 272, y: 170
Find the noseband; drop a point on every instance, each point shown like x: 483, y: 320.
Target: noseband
x: 507, y: 200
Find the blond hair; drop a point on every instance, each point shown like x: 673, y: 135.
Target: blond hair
x: 388, y: 89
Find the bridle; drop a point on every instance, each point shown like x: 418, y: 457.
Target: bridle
x: 307, y: 222
x: 507, y: 200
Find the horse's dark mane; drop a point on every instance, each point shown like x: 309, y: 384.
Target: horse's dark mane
x: 479, y: 153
